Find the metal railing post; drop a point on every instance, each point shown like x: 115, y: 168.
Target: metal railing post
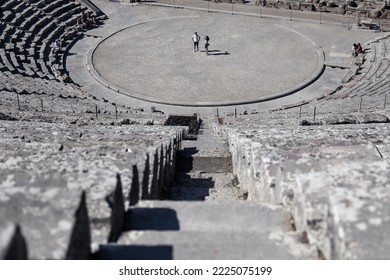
x: 17, y: 98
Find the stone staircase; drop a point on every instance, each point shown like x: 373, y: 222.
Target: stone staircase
x: 206, y: 230
x: 206, y: 215
x: 204, y: 169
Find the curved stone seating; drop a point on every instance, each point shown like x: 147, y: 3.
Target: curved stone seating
x: 9, y: 4
x: 63, y: 9
x: 369, y: 88
x: 8, y: 16
x: 382, y: 70
x: 57, y: 56
x: 48, y: 8
x: 382, y: 49
x: 20, y: 7
x: 387, y: 48
x: 374, y: 69
x: 33, y: 27
x: 64, y: 103
x: 31, y: 19
x: 373, y: 53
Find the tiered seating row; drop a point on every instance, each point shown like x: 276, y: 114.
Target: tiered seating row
x: 376, y: 67
x: 52, y: 171
x: 333, y: 180
x: 63, y: 103
x: 32, y: 28
x: 365, y: 94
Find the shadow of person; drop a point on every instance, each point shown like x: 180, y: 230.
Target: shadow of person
x: 217, y: 52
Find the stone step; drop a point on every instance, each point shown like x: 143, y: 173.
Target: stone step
x: 341, y: 206
x: 206, y: 186
x: 373, y: 54
x: 210, y: 216
x: 194, y: 163
x: 51, y: 6
x: 207, y: 230
x: 206, y: 153
x: 171, y: 245
x: 207, y: 141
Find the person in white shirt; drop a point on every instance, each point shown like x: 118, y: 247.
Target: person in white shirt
x: 196, y: 39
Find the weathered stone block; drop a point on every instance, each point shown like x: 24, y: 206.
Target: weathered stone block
x: 50, y: 225
x: 258, y: 153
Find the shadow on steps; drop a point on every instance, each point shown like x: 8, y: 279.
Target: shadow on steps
x: 114, y: 251
x: 151, y: 219
x: 142, y: 219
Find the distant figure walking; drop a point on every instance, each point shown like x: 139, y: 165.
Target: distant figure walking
x: 196, y: 39
x: 206, y: 44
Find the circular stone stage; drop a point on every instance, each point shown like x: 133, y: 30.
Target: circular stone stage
x: 248, y: 62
